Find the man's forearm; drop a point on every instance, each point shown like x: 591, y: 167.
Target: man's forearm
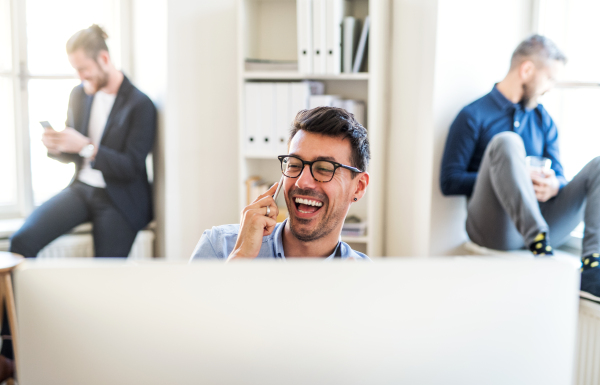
x: 458, y: 183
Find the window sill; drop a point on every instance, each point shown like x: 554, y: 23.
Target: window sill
x: 10, y: 226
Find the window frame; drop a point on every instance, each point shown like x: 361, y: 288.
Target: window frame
x: 539, y: 27
x: 21, y: 76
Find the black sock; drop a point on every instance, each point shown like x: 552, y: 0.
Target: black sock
x: 590, y: 262
x: 540, y: 246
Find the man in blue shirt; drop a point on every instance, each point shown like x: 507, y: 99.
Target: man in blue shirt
x: 511, y: 206
x: 324, y: 173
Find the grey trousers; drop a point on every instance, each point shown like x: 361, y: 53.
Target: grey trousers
x: 504, y: 214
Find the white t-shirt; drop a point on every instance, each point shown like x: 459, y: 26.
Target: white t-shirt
x: 101, y: 107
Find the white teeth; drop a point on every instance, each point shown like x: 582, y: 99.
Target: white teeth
x: 309, y: 202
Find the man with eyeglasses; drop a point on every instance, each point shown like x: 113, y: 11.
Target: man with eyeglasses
x: 324, y: 174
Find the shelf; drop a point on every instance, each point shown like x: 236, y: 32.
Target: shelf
x: 267, y: 30
x: 262, y: 156
x: 282, y: 75
x: 348, y: 239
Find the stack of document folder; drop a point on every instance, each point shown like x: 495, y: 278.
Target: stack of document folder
x: 328, y: 41
x: 270, y: 108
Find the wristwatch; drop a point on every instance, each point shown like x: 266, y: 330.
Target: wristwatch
x: 87, y: 151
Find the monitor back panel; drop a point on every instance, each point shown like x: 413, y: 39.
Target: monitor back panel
x: 447, y: 321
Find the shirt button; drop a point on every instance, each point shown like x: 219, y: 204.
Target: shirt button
x: 517, y: 124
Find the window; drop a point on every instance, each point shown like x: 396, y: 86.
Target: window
x: 573, y: 104
x: 35, y: 82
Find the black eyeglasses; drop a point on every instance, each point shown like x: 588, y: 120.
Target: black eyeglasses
x: 321, y: 170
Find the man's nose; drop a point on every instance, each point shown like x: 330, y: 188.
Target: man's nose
x: 306, y: 180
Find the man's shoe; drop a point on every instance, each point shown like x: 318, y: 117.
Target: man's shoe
x: 590, y: 284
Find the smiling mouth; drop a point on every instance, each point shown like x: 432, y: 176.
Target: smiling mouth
x: 307, y: 206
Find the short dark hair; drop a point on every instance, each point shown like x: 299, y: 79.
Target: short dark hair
x: 92, y: 40
x: 336, y: 122
x: 537, y: 48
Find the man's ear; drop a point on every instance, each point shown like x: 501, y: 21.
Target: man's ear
x: 526, y: 70
x: 361, y: 186
x: 103, y: 58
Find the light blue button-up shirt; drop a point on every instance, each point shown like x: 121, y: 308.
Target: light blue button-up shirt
x: 218, y: 243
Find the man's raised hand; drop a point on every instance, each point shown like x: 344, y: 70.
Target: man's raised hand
x: 255, y: 224
x: 50, y: 140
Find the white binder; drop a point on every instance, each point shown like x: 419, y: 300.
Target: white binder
x: 251, y: 120
x: 334, y: 17
x: 349, y: 40
x: 305, y: 40
x: 266, y: 129
x: 283, y: 116
x: 319, y: 36
x: 324, y: 101
x: 300, y: 92
x: 357, y: 108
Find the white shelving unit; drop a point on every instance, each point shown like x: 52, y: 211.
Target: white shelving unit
x: 267, y: 30
x: 281, y: 75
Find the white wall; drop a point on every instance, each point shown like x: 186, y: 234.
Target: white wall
x: 410, y: 145
x: 447, y: 53
x: 148, y: 63
x: 200, y: 138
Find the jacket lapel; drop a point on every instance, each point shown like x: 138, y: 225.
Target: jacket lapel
x: 117, y: 107
x: 86, y: 114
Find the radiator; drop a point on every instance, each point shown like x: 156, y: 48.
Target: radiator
x: 587, y: 366
x: 82, y: 245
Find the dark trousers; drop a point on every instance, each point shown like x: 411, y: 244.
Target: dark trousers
x: 76, y: 204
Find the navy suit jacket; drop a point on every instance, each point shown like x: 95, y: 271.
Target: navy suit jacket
x: 127, y: 139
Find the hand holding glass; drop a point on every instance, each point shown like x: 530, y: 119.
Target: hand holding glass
x: 538, y: 165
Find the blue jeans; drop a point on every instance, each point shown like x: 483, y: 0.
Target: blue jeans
x: 76, y: 204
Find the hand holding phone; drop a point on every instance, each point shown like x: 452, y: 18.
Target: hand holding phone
x: 49, y: 138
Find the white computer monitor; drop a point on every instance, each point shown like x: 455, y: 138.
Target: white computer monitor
x: 395, y: 321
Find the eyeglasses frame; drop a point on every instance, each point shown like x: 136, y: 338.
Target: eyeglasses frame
x: 336, y: 165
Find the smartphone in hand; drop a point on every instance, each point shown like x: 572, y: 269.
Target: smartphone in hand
x: 46, y: 124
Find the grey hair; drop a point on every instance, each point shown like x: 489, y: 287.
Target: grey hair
x: 539, y: 49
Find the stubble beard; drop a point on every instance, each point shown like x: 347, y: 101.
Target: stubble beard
x: 323, y: 228
x: 100, y: 82
x: 529, y: 99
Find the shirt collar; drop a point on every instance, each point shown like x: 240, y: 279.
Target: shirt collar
x: 501, y: 100
x: 278, y: 241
